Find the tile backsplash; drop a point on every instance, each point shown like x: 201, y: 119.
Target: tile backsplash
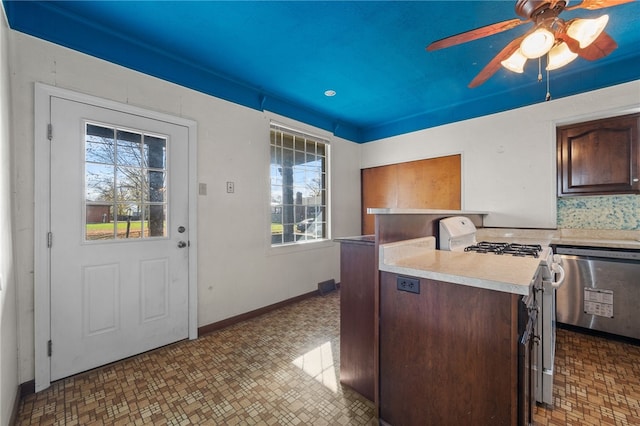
x: 600, y: 212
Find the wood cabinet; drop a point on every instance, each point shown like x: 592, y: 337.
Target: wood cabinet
x: 357, y: 314
x: 599, y: 157
x: 448, y: 355
x: 359, y: 294
x: 432, y: 183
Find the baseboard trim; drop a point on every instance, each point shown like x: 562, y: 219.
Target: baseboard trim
x: 209, y: 328
x: 27, y: 388
x: 24, y: 389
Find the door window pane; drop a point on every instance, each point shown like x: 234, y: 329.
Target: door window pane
x: 156, y: 187
x: 99, y: 182
x: 128, y: 184
x: 100, y: 223
x: 155, y: 152
x: 125, y: 180
x: 128, y: 149
x: 155, y: 220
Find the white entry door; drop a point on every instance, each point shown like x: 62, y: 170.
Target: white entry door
x: 119, y: 254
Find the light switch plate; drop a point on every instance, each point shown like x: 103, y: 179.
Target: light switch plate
x: 231, y: 187
x: 202, y: 189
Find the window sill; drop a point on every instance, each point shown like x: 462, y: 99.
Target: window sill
x: 298, y: 247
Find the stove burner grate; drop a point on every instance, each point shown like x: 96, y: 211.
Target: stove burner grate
x: 512, y: 249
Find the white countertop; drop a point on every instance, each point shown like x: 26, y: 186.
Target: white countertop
x: 418, y: 258
x: 422, y: 211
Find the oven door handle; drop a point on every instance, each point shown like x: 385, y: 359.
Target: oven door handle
x: 559, y: 270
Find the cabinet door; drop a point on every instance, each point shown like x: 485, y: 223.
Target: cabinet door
x: 433, y: 183
x: 430, y: 184
x: 357, y: 317
x: 599, y: 157
x: 448, y: 355
x: 379, y: 190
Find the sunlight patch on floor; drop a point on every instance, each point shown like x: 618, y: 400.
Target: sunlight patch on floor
x: 318, y: 363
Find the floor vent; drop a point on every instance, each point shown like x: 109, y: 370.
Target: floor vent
x: 326, y: 287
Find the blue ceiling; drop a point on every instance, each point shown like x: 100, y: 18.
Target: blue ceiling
x: 283, y: 56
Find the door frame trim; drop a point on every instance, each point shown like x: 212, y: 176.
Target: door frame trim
x: 42, y: 216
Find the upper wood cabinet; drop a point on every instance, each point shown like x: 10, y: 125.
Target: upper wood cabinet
x: 599, y: 157
x: 432, y: 183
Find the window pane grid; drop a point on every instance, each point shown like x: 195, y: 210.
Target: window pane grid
x: 126, y: 184
x: 298, y: 187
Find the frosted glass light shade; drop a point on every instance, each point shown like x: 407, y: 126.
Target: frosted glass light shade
x: 537, y: 43
x: 587, y: 30
x: 560, y: 56
x: 515, y: 62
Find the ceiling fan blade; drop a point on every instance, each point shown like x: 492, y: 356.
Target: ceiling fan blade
x: 597, y: 4
x: 495, y: 65
x: 600, y: 48
x: 475, y: 34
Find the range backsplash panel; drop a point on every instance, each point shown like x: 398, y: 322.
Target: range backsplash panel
x: 600, y: 212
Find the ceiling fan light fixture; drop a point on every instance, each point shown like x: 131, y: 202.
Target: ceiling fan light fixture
x: 537, y: 43
x: 515, y: 62
x: 560, y: 56
x: 587, y: 30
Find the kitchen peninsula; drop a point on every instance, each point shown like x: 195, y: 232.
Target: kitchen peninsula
x: 449, y: 348
x: 359, y: 288
x: 446, y: 327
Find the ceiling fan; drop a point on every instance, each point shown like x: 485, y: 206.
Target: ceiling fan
x: 561, y: 40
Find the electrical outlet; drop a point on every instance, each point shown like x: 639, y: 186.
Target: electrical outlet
x: 411, y: 285
x: 231, y: 187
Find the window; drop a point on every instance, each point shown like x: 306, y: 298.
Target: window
x: 125, y: 181
x: 299, y: 196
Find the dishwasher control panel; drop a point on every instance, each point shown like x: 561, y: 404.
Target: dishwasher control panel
x: 599, y: 252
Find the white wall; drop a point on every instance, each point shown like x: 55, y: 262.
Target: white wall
x: 238, y: 271
x: 508, y: 159
x: 8, y: 318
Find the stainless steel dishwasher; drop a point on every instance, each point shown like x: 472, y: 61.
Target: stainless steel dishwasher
x: 601, y: 289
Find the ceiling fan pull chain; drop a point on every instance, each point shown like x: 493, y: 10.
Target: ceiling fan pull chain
x: 548, y: 97
x: 539, y: 70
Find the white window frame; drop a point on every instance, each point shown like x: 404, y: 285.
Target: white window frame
x: 310, y: 136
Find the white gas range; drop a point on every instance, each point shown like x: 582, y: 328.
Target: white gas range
x: 459, y: 234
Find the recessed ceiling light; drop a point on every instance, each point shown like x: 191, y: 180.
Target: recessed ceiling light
x: 329, y: 92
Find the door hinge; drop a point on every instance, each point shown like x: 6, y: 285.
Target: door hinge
x: 49, y: 348
x: 49, y: 239
x: 49, y: 131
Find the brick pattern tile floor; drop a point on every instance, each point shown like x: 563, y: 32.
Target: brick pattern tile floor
x: 279, y: 369
x: 597, y: 382
x: 282, y: 369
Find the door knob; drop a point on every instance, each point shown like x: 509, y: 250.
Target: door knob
x: 182, y: 244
